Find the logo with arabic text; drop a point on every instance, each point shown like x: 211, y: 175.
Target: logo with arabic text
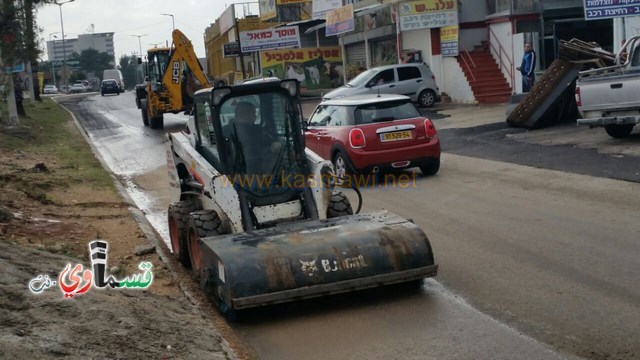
x: 76, y: 280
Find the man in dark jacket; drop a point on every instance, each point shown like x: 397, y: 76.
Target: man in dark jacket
x: 527, y: 67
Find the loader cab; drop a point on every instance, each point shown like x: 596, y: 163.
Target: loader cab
x: 252, y: 134
x: 157, y: 63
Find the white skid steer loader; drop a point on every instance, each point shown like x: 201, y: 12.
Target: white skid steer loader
x: 257, y: 217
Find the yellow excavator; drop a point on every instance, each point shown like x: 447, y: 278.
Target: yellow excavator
x: 172, y: 76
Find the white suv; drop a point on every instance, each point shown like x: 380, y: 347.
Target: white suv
x: 413, y: 80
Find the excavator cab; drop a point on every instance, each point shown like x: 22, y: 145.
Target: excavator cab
x: 158, y: 59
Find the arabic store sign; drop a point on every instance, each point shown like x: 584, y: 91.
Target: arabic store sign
x: 425, y: 14
x: 606, y: 9
x: 77, y: 281
x: 282, y: 37
x: 340, y: 21
x: 449, y: 41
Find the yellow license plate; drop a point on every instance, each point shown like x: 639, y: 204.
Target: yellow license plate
x: 395, y: 136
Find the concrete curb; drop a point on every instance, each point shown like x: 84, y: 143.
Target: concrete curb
x: 147, y: 229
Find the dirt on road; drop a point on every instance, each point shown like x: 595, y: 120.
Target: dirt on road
x: 55, y: 198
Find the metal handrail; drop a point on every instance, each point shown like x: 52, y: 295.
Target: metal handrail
x: 464, y: 60
x: 500, y: 51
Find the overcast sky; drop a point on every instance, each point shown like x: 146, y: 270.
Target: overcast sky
x: 135, y: 17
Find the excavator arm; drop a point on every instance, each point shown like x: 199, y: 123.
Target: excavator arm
x: 183, y: 54
x: 181, y: 78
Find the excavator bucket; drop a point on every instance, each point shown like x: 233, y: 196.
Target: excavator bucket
x: 313, y: 258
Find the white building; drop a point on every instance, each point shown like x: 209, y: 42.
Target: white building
x: 103, y: 42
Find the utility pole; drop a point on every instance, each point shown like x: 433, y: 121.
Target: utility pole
x: 140, y: 78
x: 64, y: 50
x: 53, y: 65
x: 173, y: 23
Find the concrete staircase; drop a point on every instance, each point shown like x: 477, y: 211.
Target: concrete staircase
x: 487, y: 82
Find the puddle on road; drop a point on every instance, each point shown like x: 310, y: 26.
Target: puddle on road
x: 150, y: 193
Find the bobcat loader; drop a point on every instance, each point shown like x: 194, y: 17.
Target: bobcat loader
x: 256, y: 215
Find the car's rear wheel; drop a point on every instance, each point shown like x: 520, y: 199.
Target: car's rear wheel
x: 431, y: 167
x: 427, y: 98
x: 619, y: 131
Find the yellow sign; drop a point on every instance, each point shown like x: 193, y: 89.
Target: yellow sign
x: 425, y: 14
x: 449, y: 33
x: 427, y: 6
x: 315, y: 68
x: 267, y: 9
x: 340, y: 21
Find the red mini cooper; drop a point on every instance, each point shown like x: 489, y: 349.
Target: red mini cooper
x: 368, y: 133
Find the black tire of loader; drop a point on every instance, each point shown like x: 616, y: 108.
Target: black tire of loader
x: 202, y: 223
x: 144, y: 109
x: 339, y: 205
x: 157, y: 122
x: 178, y: 217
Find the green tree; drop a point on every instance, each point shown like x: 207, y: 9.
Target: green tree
x: 129, y: 67
x: 92, y: 60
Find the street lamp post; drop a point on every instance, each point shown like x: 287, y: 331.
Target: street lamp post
x: 140, y: 43
x: 140, y: 46
x: 53, y: 64
x: 173, y: 23
x: 64, y: 50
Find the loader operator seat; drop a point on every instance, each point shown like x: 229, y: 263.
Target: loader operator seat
x: 249, y: 141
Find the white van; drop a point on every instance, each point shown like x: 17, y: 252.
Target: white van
x: 114, y: 74
x: 413, y: 80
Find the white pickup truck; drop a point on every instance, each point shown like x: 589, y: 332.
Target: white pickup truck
x: 610, y: 97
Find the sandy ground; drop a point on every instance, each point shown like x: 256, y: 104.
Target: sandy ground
x: 51, y: 227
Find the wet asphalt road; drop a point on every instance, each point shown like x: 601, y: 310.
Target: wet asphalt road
x: 534, y: 264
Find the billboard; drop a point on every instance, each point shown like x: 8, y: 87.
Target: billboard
x: 227, y: 20
x: 340, y: 21
x: 282, y: 37
x: 315, y: 68
x: 600, y: 9
x: 425, y: 14
x: 322, y: 7
x: 267, y: 9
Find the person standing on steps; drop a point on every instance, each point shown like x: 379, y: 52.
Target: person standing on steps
x: 527, y: 67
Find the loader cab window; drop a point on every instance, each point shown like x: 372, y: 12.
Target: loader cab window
x: 157, y: 65
x: 259, y: 141
x: 206, y: 133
